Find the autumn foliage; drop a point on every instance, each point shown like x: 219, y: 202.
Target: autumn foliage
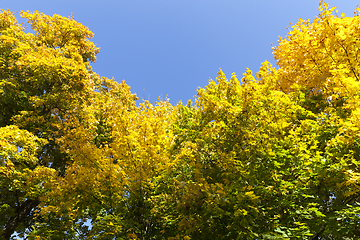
x: 274, y: 155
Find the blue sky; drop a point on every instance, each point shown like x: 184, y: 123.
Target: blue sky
x: 173, y: 47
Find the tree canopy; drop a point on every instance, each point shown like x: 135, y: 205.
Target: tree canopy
x: 274, y: 155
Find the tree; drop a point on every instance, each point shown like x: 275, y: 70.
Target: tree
x: 44, y: 77
x: 277, y: 155
x: 270, y: 156
x: 118, y: 153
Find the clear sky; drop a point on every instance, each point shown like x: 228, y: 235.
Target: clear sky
x: 173, y: 47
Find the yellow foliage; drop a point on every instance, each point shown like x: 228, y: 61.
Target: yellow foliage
x: 321, y: 55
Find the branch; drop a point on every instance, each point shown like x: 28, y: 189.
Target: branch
x: 317, y: 235
x: 23, y: 211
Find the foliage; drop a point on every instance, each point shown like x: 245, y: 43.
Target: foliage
x: 274, y: 155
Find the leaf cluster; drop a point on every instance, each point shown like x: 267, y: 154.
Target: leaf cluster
x: 273, y: 155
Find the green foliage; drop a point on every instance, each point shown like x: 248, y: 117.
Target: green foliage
x: 270, y: 156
